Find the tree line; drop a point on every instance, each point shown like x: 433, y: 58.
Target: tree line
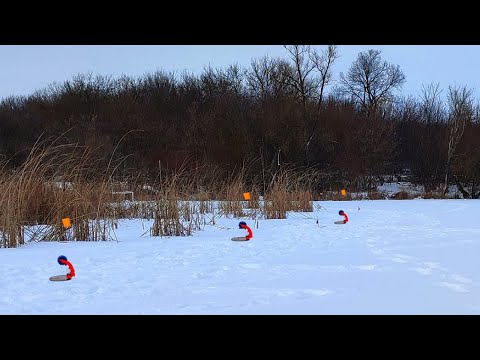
x: 276, y: 113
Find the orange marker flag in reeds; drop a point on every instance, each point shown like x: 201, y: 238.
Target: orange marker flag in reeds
x: 66, y: 223
x: 246, y: 196
x: 343, y: 192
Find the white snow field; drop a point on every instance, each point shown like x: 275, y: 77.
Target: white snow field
x: 392, y: 257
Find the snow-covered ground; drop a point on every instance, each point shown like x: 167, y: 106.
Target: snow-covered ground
x: 392, y: 257
x: 414, y: 191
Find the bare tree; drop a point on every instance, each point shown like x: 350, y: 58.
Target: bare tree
x: 323, y: 63
x: 265, y: 77
x: 299, y: 73
x: 306, y: 63
x: 476, y: 118
x: 371, y: 81
x: 461, y: 111
x: 429, y: 157
x: 431, y: 106
x: 466, y: 167
x: 268, y: 89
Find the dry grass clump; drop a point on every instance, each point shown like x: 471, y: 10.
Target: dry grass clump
x: 56, y: 181
x: 277, y: 202
x: 434, y: 195
x: 231, y: 197
x: 375, y: 195
x: 173, y: 215
x: 402, y: 195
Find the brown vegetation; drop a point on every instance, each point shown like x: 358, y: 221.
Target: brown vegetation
x: 275, y: 129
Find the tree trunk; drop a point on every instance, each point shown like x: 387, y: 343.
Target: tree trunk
x: 460, y: 187
x: 475, y: 195
x: 445, y: 185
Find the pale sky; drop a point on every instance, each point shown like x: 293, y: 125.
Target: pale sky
x: 26, y: 68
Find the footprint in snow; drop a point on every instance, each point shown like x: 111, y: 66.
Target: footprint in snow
x: 455, y: 287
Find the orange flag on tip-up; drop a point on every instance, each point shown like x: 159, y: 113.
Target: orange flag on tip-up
x: 246, y: 196
x: 66, y: 223
x: 343, y: 192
